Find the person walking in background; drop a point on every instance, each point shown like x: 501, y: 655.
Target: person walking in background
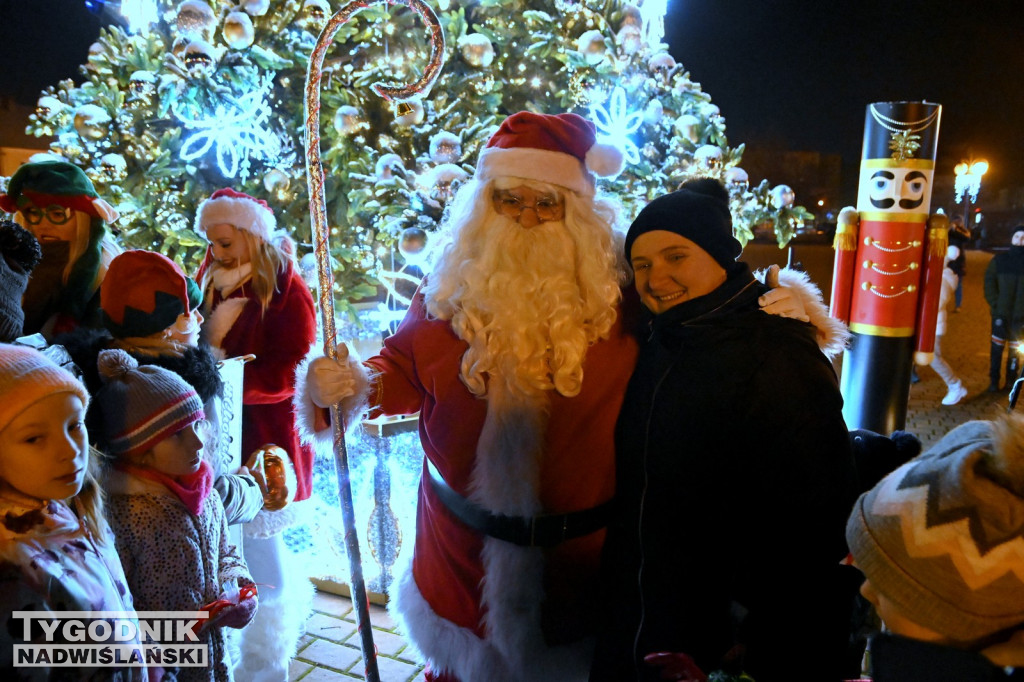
x: 960, y: 237
x: 1004, y: 292
x: 955, y: 387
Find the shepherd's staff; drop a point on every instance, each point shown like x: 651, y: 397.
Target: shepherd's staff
x: 318, y: 214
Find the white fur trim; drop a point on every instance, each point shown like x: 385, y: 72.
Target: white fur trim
x: 306, y: 411
x: 556, y: 168
x: 833, y: 335
x: 222, y: 319
x: 605, y: 160
x: 271, y: 639
x: 245, y: 214
x: 459, y: 651
x: 268, y: 523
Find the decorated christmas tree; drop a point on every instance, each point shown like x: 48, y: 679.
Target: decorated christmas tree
x: 194, y: 95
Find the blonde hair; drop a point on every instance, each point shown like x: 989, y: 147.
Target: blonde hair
x: 268, y: 259
x: 88, y: 503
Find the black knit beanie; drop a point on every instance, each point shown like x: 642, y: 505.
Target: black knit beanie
x: 699, y: 211
x: 19, y: 253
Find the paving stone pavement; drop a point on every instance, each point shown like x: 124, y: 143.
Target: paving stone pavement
x: 330, y: 648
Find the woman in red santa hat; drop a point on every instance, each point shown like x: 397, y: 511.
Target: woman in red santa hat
x: 258, y: 304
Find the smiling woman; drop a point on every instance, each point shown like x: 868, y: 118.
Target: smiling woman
x: 692, y: 439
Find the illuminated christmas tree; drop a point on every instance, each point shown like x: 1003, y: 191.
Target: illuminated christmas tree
x: 195, y: 95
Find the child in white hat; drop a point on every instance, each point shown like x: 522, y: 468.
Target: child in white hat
x: 56, y: 551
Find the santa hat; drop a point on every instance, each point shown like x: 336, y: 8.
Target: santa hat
x: 236, y: 208
x: 558, y: 149
x: 144, y: 293
x: 54, y: 183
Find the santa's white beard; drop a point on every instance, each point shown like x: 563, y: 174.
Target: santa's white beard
x: 514, y: 295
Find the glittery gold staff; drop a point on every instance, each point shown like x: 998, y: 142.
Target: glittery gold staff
x: 318, y: 214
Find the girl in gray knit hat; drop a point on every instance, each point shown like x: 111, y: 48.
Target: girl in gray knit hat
x: 941, y: 543
x: 170, y: 530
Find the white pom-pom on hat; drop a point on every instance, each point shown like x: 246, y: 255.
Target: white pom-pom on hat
x: 605, y: 160
x: 115, y: 363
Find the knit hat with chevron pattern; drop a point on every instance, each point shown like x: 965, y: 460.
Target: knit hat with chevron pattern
x: 942, y: 537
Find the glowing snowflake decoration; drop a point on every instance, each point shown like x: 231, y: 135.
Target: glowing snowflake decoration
x: 616, y: 123
x: 236, y: 130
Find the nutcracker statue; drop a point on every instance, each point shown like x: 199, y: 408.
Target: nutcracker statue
x: 888, y: 264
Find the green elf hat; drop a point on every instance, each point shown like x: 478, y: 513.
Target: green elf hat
x: 55, y: 183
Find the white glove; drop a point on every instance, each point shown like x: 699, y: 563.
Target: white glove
x: 329, y: 381
x: 780, y: 300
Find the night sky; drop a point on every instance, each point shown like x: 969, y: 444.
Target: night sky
x: 800, y: 74
x: 787, y: 73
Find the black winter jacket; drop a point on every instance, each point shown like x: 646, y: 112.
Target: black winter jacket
x: 1004, y: 286
x: 735, y: 480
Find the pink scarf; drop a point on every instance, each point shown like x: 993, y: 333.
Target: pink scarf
x: 192, y: 489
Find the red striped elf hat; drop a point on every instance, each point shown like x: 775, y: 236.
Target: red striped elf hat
x: 560, y: 149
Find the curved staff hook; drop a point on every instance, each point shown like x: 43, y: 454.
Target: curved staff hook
x: 325, y: 276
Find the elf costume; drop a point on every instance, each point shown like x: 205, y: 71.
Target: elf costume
x: 63, y: 292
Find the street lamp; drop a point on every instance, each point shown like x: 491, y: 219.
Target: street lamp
x: 968, y: 182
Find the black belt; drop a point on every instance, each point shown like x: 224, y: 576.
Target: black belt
x: 546, y: 530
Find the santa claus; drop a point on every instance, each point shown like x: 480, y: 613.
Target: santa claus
x: 516, y: 353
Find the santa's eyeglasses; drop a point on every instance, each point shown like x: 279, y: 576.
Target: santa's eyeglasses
x: 548, y: 207
x: 56, y: 215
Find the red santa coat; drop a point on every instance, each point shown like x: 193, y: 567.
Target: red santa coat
x: 279, y: 338
x: 440, y: 600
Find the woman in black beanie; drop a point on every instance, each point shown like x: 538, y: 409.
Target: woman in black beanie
x: 734, y: 470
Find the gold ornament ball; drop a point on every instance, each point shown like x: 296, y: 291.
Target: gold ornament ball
x: 142, y: 83
x: 688, y: 126
x: 256, y: 8
x: 48, y: 107
x: 238, y: 31
x: 631, y: 16
x: 195, y: 19
x: 276, y: 180
x: 347, y: 120
x: 412, y: 243
x: 114, y: 166
x: 445, y: 148
x: 198, y: 58
x: 736, y: 179
x: 477, y: 50
x: 591, y: 45
x: 275, y: 474
x: 708, y: 157
x: 92, y: 122
x: 629, y: 39
x: 314, y: 15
